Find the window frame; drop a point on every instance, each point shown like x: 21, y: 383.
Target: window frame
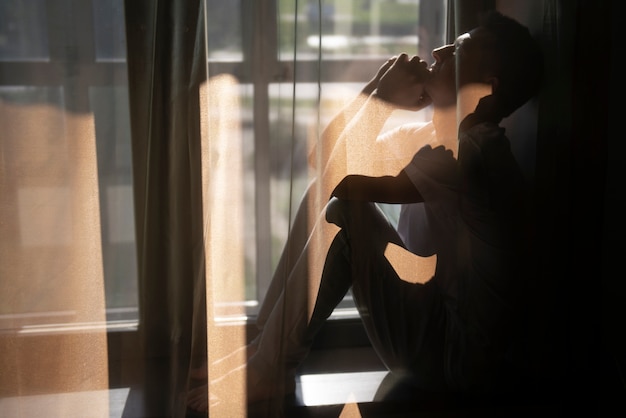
x: 261, y: 66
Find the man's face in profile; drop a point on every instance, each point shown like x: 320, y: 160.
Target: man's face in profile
x: 457, y: 65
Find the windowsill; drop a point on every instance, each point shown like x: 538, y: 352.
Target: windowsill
x: 69, y: 328
x: 341, y: 346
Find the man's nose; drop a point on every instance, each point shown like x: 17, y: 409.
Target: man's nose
x: 441, y: 53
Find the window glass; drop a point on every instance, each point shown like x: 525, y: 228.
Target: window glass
x: 31, y: 240
x: 109, y: 32
x: 115, y: 185
x: 49, y: 230
x: 352, y: 28
x: 67, y: 244
x: 323, y: 54
x: 223, y: 28
x: 277, y: 120
x: 23, y: 30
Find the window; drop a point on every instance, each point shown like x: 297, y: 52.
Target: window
x: 66, y: 152
x: 295, y: 65
x: 68, y: 257
x: 64, y: 60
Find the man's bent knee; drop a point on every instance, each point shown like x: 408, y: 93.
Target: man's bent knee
x: 336, y: 210
x: 340, y: 212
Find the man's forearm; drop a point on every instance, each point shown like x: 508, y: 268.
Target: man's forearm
x: 318, y: 157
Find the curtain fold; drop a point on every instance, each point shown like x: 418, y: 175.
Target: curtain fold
x: 165, y: 40
x: 572, y: 154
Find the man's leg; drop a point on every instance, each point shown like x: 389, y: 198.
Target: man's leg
x: 294, y: 247
x: 405, y: 321
x: 283, y: 340
x: 297, y: 239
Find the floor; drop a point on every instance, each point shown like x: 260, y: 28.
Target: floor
x: 338, y: 383
x: 325, y: 396
x: 333, y: 383
x: 85, y: 404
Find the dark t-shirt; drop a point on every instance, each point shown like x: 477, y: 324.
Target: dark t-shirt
x: 473, y: 218
x: 492, y: 257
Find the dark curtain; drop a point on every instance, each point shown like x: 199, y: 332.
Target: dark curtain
x: 577, y: 352
x: 576, y: 329
x: 166, y: 65
x: 578, y: 325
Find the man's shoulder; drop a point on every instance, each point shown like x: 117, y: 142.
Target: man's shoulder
x: 435, y: 163
x: 483, y: 134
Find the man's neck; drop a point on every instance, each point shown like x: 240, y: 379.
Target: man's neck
x: 444, y: 121
x: 468, y: 98
x: 447, y: 119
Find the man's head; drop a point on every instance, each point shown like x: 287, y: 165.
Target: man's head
x: 500, y: 53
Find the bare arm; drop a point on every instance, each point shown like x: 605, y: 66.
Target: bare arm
x: 348, y: 145
x: 386, y: 189
x: 319, y: 156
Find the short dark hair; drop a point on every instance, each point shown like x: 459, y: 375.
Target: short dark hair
x: 519, y: 60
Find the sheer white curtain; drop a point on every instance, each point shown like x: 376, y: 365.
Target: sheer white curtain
x: 297, y: 64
